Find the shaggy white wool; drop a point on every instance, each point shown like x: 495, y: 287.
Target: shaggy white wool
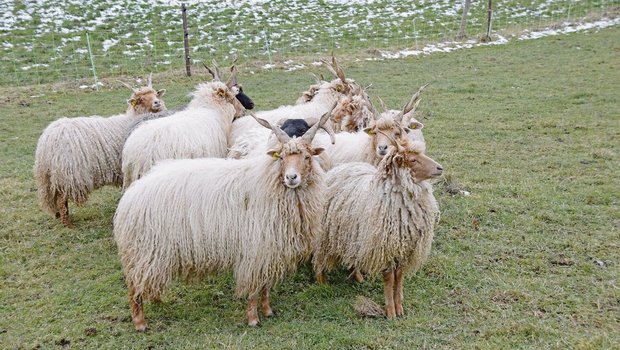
x: 187, y: 218
x: 376, y: 218
x: 200, y: 130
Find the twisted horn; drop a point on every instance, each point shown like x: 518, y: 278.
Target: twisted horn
x: 339, y: 71
x: 128, y: 86
x: 309, y: 135
x: 217, y: 70
x: 327, y: 127
x: 329, y: 67
x: 281, y: 135
x: 213, y: 74
x: 150, y: 81
x: 411, y: 105
x: 232, y: 80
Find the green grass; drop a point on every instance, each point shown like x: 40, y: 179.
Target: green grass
x: 528, y: 260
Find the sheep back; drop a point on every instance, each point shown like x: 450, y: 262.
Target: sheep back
x: 75, y: 156
x: 191, y: 133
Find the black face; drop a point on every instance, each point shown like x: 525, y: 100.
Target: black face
x: 244, y: 99
x: 295, y: 127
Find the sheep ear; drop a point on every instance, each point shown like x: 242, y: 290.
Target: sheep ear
x: 221, y: 92
x: 415, y: 125
x: 369, y: 131
x: 132, y: 101
x: 275, y: 154
x: 317, y: 151
x: 161, y: 93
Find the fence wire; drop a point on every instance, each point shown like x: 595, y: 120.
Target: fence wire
x: 36, y: 54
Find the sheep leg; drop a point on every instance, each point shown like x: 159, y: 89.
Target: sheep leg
x: 320, y: 277
x: 252, y: 311
x: 398, y: 291
x: 388, y: 293
x: 356, y: 275
x: 137, y: 313
x: 62, y: 204
x: 264, y: 303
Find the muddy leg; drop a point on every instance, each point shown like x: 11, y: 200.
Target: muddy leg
x: 264, y: 302
x: 398, y: 291
x: 320, y: 277
x: 137, y: 313
x: 252, y: 311
x: 388, y: 293
x: 63, y: 211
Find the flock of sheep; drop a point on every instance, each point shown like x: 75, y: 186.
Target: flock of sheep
x: 209, y: 190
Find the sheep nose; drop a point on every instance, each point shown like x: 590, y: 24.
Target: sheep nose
x: 156, y: 103
x: 440, y: 168
x: 291, y: 176
x: 383, y: 147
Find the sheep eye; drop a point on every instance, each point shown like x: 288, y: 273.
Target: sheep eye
x: 397, y: 134
x: 307, y: 157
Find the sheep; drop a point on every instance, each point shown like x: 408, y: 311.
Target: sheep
x: 243, y: 130
x: 76, y: 156
x: 353, y: 113
x: 380, y: 220
x: 255, y: 217
x: 370, y: 145
x: 201, y: 130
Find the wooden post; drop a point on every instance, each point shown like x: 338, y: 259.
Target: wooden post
x: 461, y: 34
x: 489, y: 17
x: 186, y: 40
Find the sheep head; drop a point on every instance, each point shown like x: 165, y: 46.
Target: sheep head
x: 294, y: 154
x: 410, y: 156
x: 145, y: 99
x: 383, y: 132
x: 352, y: 113
x: 245, y: 102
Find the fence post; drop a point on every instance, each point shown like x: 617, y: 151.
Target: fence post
x: 92, y: 61
x: 489, y: 17
x: 186, y: 40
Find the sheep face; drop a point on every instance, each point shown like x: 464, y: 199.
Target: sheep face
x: 295, y: 161
x: 147, y: 100
x: 244, y: 99
x: 383, y: 132
x: 419, y: 164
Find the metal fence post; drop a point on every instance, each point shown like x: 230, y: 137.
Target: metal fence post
x: 186, y: 40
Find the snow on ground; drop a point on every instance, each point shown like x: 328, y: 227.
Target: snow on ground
x: 123, y: 32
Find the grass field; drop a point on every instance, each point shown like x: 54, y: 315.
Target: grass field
x: 528, y: 260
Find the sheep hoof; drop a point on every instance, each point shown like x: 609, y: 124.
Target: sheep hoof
x: 141, y: 327
x: 269, y: 313
x: 400, y: 312
x: 69, y: 225
x: 253, y: 323
x: 358, y: 277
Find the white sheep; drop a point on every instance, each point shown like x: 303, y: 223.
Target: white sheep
x: 380, y: 220
x: 369, y: 145
x: 247, y: 133
x: 200, y: 130
x: 75, y: 156
x: 255, y: 217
